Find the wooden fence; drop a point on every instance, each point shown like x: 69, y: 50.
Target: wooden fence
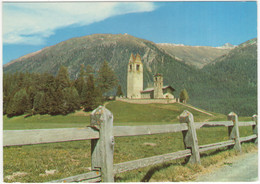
x: 101, y: 132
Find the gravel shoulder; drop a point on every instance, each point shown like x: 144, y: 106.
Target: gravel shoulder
x: 243, y: 168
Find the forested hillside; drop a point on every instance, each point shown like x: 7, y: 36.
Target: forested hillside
x: 235, y: 80
x: 93, y: 50
x: 227, y: 85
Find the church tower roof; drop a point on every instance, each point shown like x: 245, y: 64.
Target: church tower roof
x: 138, y: 58
x: 132, y: 58
x: 158, y: 74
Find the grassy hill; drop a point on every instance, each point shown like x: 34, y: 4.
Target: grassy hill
x: 124, y: 114
x: 128, y: 113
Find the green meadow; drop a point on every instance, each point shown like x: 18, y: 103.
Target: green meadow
x: 31, y: 163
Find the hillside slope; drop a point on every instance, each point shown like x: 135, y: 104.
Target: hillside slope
x: 124, y: 114
x: 151, y: 113
x: 229, y: 84
x: 234, y: 81
x: 94, y: 49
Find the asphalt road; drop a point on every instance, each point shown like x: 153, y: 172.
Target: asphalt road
x: 244, y: 169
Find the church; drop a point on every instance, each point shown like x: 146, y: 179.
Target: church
x: 135, y: 83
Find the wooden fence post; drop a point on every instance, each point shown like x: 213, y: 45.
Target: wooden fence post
x: 102, y: 149
x: 255, y: 127
x: 233, y: 131
x: 190, y: 136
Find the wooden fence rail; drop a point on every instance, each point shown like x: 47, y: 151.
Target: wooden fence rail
x: 94, y: 176
x: 101, y: 132
x: 136, y: 164
x: 40, y: 136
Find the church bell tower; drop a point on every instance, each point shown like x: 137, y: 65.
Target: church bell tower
x: 134, y: 77
x: 158, y: 86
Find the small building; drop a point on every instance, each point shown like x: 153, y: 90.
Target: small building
x: 167, y: 92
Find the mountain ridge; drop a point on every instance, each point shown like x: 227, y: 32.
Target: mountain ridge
x: 201, y: 84
x: 225, y: 46
x: 197, y: 56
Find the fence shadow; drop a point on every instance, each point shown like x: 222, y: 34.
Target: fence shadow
x: 154, y: 169
x: 213, y: 152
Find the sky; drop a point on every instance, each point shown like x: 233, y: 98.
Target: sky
x: 29, y: 27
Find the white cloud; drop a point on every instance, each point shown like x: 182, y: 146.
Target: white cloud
x: 31, y: 23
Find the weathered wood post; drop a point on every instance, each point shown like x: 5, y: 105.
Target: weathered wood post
x: 102, y: 149
x: 233, y: 131
x: 255, y: 128
x: 190, y: 136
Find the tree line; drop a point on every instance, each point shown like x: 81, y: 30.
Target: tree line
x: 33, y: 93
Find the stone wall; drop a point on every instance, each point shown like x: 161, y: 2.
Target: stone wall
x: 146, y: 101
x: 146, y: 95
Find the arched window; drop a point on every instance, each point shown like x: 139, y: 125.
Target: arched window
x: 130, y: 67
x: 137, y: 67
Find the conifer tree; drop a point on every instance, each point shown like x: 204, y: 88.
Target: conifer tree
x: 80, y: 81
x: 98, y: 97
x: 7, y: 83
x: 63, y: 77
x: 40, y: 104
x: 53, y: 96
x: 71, y: 100
x: 119, y: 91
x: 67, y: 98
x: 93, y: 95
x: 89, y: 70
x: 89, y: 99
x: 20, y: 80
x: 84, y: 93
x: 107, y: 79
x: 184, y: 97
x: 19, y: 104
x: 44, y: 93
x: 31, y: 91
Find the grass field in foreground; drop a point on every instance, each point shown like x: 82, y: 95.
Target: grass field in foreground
x: 124, y: 114
x: 72, y: 158
x: 45, y: 121
x: 29, y: 163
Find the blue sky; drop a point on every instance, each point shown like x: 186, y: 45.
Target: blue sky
x: 28, y: 27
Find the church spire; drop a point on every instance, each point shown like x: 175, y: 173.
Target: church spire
x: 132, y: 58
x: 138, y: 58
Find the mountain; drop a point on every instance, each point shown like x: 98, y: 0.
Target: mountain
x: 207, y: 87
x: 227, y: 46
x: 235, y: 79
x: 197, y: 56
x: 93, y: 50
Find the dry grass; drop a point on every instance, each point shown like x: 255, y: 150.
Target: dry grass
x: 211, y: 161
